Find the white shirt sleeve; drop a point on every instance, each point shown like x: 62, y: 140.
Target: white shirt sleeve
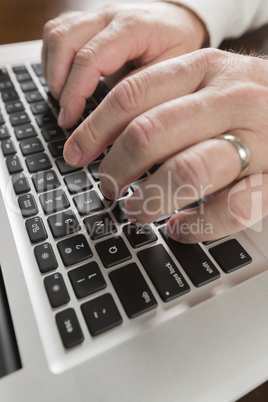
x: 228, y: 18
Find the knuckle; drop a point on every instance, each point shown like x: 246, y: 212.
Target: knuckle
x: 84, y: 57
x: 191, y: 169
x: 57, y: 34
x: 92, y: 134
x: 127, y: 95
x: 138, y: 137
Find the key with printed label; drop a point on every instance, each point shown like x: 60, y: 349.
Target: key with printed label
x: 88, y: 202
x: 101, y: 314
x: 20, y: 184
x: 36, y: 229
x: 113, y: 251
x: 54, y: 201
x: 74, y: 249
x: 13, y: 164
x: 193, y: 260
x: 99, y: 225
x: 69, y: 328
x: 133, y: 291
x: 139, y: 236
x: 63, y: 224
x: 45, y: 257
x: 230, y: 255
x: 44, y: 181
x: 27, y: 205
x: 38, y: 162
x: 163, y: 272
x: 56, y: 290
x: 87, y: 279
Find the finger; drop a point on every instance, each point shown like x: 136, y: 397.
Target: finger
x: 62, y: 38
x: 185, y: 178
x: 242, y: 206
x: 101, y: 56
x: 129, y: 99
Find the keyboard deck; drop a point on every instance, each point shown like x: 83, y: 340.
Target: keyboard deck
x: 99, y: 273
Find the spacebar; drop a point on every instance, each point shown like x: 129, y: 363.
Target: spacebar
x: 193, y: 260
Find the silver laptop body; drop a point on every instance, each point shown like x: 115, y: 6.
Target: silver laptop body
x: 209, y: 344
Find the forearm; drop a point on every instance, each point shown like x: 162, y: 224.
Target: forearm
x: 228, y: 18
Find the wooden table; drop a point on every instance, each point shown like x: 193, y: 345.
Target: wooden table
x: 23, y: 20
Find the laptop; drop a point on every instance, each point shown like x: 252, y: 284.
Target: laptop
x: 94, y: 309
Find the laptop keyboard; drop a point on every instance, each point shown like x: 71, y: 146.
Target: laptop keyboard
x: 84, y: 247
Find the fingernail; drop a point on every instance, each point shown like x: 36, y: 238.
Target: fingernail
x: 62, y: 117
x: 72, y: 152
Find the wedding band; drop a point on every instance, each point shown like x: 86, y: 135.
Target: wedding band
x: 242, y: 150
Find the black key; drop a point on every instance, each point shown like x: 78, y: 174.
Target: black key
x: 23, y: 76
x: 38, y: 162
x: 2, y: 121
x: 74, y: 249
x: 20, y: 184
x: 78, y: 182
x: 45, y: 257
x: 64, y: 168
x: 113, y: 251
x: 20, y: 69
x: 56, y: 148
x: 26, y: 131
x: 27, y: 205
x: 39, y: 107
x: 31, y: 146
x: 14, y: 106
x: 69, y: 328
x: 118, y: 209
x: 99, y: 225
x: 13, y: 164
x: 3, y: 74
x: 88, y: 202
x: 139, y: 236
x: 56, y: 290
x: 36, y: 229
x: 164, y: 274
x: 87, y: 279
x: 37, y: 69
x: 6, y: 85
x: 45, y: 181
x: 63, y: 224
x: 101, y: 314
x: 54, y: 201
x: 193, y: 260
x: 45, y: 119
x: 8, y: 147
x: 4, y: 134
x: 9, y: 95
x: 52, y: 133
x: 33, y: 96
x: 28, y: 86
x: 163, y: 219
x: 133, y: 291
x: 230, y: 255
x: 94, y: 170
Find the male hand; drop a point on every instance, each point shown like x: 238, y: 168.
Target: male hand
x: 169, y: 113
x: 79, y: 47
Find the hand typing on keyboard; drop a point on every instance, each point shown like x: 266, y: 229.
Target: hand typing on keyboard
x: 171, y: 113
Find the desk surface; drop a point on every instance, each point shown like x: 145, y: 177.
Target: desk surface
x: 23, y: 20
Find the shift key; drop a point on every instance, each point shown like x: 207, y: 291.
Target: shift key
x: 133, y: 291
